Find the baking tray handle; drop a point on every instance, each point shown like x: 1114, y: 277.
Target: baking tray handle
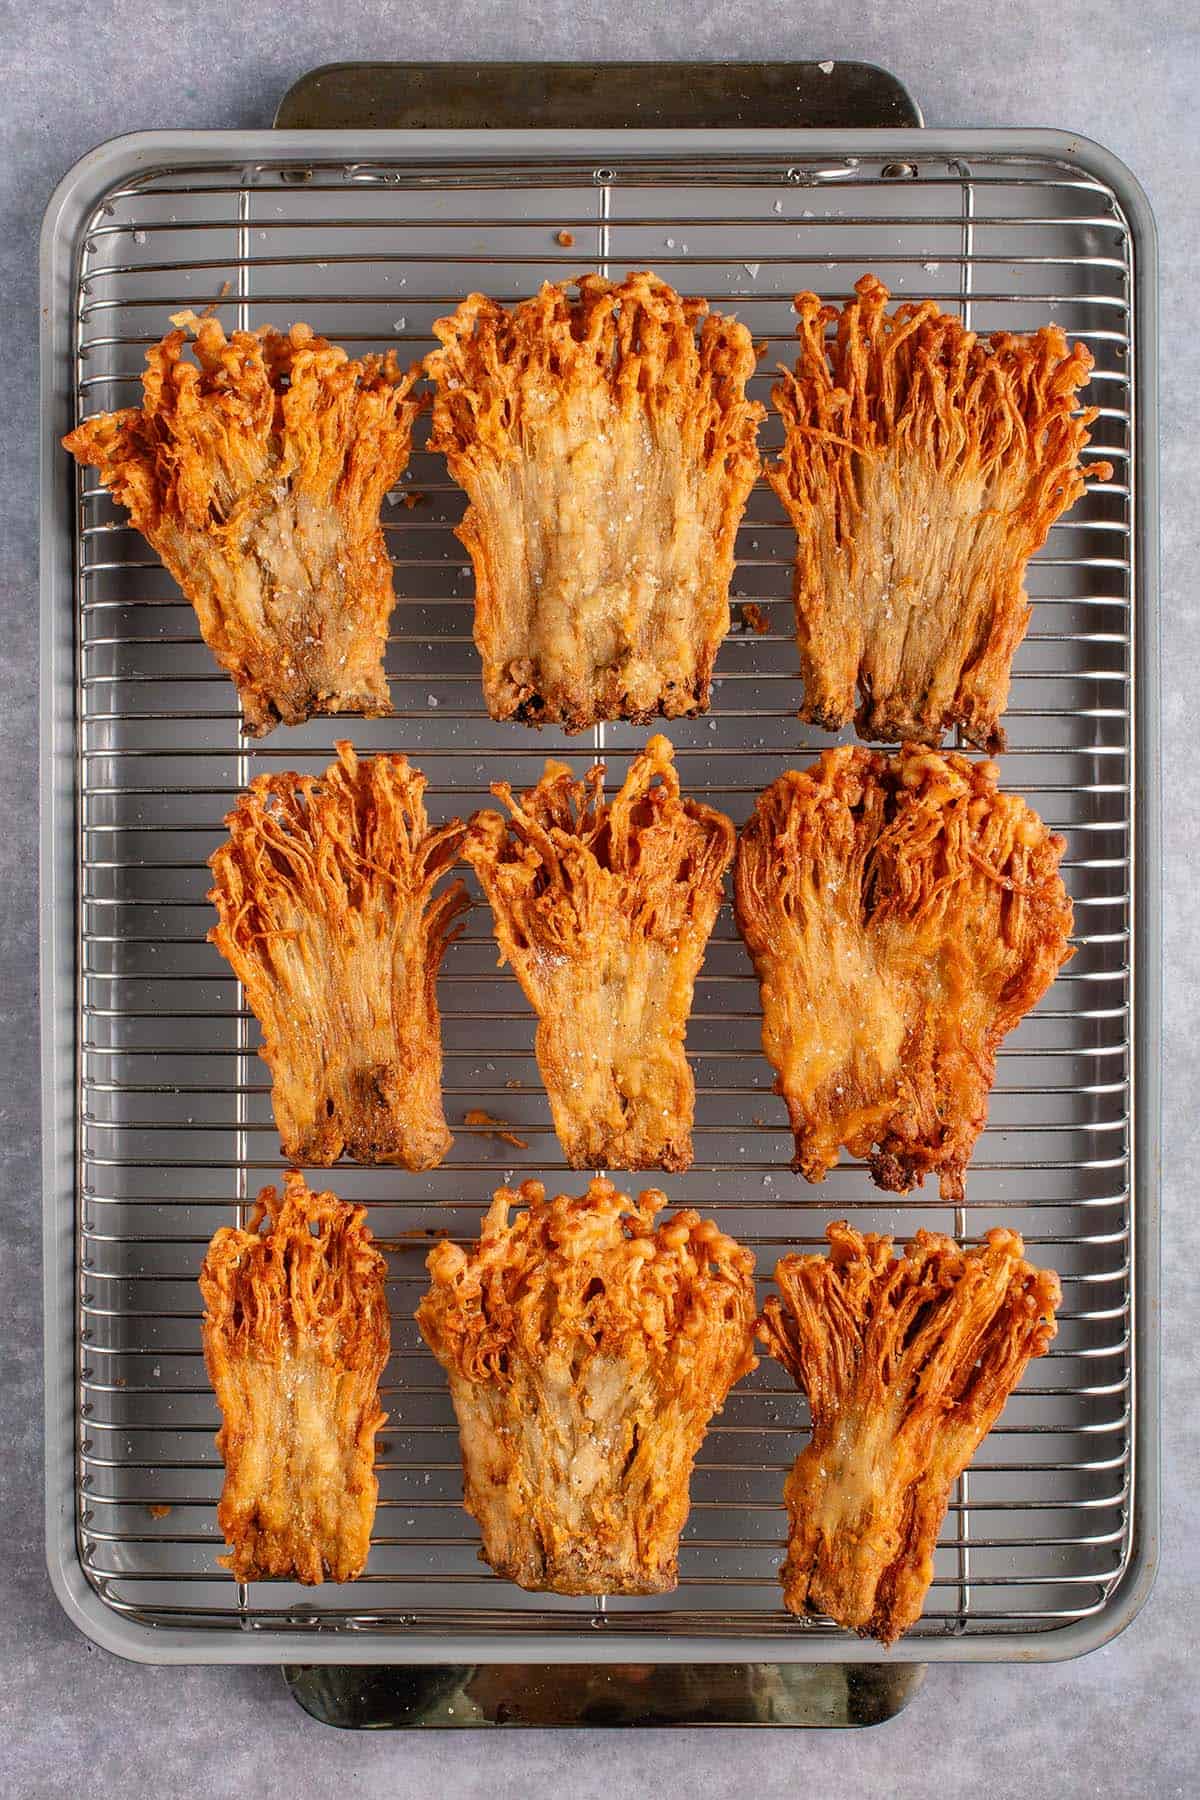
x: 460, y: 96
x: 370, y: 1697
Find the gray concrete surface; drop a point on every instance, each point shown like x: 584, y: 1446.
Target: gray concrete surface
x: 72, y: 1719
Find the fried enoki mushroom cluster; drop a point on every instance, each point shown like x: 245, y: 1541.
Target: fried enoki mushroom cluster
x: 256, y: 472
x: 607, y: 450
x: 327, y: 914
x: 296, y: 1335
x: 587, y: 1349
x: 903, y: 915
x: 907, y: 1362
x: 922, y: 467
x: 604, y: 911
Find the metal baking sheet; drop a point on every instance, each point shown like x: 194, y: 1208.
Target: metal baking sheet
x: 158, y: 1124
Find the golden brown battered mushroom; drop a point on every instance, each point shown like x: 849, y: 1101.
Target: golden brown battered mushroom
x: 922, y: 467
x: 256, y: 473
x: 324, y: 895
x: 903, y: 916
x: 296, y: 1336
x: 604, y: 912
x: 607, y: 452
x: 907, y: 1362
x: 587, y: 1352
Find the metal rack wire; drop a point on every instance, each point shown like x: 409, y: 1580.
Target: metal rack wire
x: 175, y: 1128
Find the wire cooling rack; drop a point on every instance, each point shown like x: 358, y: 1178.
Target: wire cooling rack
x: 174, y: 1124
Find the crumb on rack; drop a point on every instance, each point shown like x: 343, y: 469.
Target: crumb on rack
x: 565, y: 238
x: 158, y: 1510
x: 404, y: 1240
x: 494, y: 1128
x: 413, y: 497
x: 751, y: 617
